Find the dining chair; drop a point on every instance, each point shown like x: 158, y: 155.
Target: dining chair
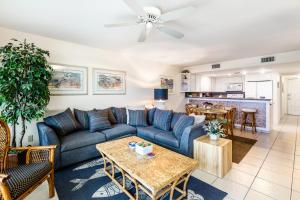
x: 20, y: 181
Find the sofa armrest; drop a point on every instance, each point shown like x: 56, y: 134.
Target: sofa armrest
x: 48, y: 136
x: 189, y: 135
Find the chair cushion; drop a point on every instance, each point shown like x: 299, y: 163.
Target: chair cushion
x: 175, y: 117
x: 167, y: 139
x: 162, y: 119
x: 81, y: 139
x: 148, y: 133
x: 150, y: 115
x: 119, y: 130
x: 25, y: 176
x: 63, y: 123
x: 82, y: 117
x: 98, y: 120
x: 120, y: 115
x: 183, y: 122
x: 137, y: 117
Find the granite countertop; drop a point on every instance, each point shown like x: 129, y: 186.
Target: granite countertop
x: 230, y: 98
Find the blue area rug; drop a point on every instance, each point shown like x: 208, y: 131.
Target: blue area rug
x: 88, y: 181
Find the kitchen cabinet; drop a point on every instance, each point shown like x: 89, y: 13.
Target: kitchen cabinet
x: 188, y: 82
x: 259, y: 89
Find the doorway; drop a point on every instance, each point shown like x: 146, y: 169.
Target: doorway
x: 293, y: 96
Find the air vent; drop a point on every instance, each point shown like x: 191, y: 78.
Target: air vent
x: 268, y: 59
x: 216, y: 66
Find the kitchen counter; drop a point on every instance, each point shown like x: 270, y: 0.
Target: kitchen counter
x: 225, y: 98
x: 262, y: 106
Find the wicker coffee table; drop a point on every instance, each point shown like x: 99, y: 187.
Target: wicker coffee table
x: 155, y: 176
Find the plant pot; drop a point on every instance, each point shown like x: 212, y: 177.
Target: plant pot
x: 214, y: 137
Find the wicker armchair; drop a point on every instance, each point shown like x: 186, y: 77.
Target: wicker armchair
x: 20, y: 181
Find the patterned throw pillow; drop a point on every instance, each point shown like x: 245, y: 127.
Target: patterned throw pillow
x: 120, y: 115
x: 137, y: 118
x: 176, y: 116
x: 183, y: 122
x: 82, y: 117
x: 98, y: 120
x: 63, y: 123
x: 162, y: 119
x: 150, y: 115
x: 110, y: 114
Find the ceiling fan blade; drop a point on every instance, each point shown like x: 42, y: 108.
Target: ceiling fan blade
x: 120, y: 24
x: 135, y: 7
x: 143, y: 35
x: 171, y: 32
x: 172, y: 15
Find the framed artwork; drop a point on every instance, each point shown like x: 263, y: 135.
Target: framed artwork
x: 168, y: 82
x: 69, y: 80
x: 109, y: 81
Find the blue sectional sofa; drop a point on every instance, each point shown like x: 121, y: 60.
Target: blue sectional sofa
x: 79, y: 145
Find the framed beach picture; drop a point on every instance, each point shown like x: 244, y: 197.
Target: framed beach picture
x: 109, y: 81
x: 168, y: 82
x: 69, y: 80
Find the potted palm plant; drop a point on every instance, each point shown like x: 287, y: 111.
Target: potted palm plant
x: 215, y: 129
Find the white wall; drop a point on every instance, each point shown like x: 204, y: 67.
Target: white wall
x: 142, y: 75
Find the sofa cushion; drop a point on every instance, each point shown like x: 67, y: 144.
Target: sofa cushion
x: 137, y: 117
x: 167, y: 139
x: 25, y: 176
x: 183, y: 122
x: 120, y: 115
x: 150, y: 115
x: 63, y: 123
x: 82, y: 117
x: 110, y: 115
x: 81, y: 139
x: 175, y: 117
x: 148, y: 133
x: 98, y: 120
x: 162, y: 119
x: 119, y: 130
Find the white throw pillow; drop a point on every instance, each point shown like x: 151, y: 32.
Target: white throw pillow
x: 198, y: 118
x: 133, y: 108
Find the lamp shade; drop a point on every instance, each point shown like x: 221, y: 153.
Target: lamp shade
x: 160, y: 94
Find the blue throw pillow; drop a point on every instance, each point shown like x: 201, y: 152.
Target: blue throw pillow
x: 183, y: 122
x: 98, y: 120
x: 110, y: 114
x: 150, y: 115
x: 83, y: 118
x: 120, y: 115
x: 176, y: 116
x: 162, y: 119
x: 63, y: 123
x: 137, y: 118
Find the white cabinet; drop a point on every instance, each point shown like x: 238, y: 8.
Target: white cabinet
x: 188, y: 82
x: 222, y: 83
x: 259, y: 89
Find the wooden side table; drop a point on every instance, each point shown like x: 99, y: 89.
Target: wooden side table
x: 214, y: 157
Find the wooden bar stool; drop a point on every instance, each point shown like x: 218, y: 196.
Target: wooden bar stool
x: 245, y: 113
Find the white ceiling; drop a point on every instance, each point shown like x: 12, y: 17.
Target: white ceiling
x: 219, y: 30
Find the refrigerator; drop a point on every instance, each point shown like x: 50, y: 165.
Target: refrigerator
x: 259, y: 89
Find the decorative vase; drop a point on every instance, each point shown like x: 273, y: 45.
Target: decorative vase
x: 214, y: 137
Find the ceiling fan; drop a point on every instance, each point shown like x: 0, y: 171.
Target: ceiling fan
x: 153, y: 18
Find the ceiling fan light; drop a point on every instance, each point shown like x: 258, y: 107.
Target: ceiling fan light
x: 149, y: 25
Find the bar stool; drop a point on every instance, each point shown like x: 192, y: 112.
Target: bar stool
x: 251, y: 113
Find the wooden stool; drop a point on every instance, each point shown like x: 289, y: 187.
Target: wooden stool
x: 251, y: 113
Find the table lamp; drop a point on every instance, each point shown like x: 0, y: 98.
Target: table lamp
x: 160, y: 97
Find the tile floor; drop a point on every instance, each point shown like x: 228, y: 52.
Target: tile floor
x: 270, y: 170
